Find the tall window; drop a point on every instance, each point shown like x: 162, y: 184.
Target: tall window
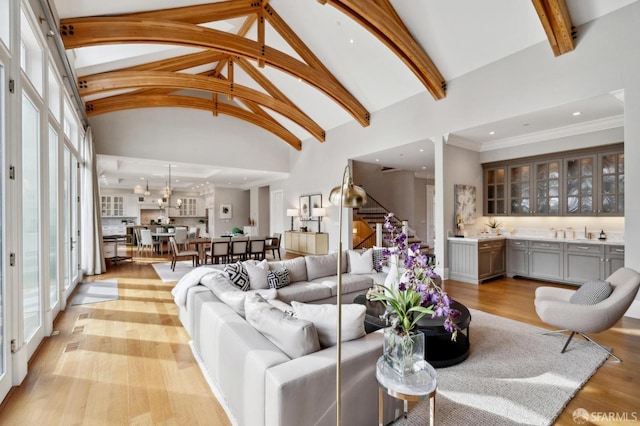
x: 5, y: 14
x: 30, y: 217
x: 31, y: 58
x: 53, y: 217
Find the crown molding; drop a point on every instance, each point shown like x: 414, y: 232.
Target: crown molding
x: 557, y: 133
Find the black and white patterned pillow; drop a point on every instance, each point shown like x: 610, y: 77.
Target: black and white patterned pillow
x: 238, y: 275
x: 278, y: 279
x: 591, y: 292
x: 378, y: 259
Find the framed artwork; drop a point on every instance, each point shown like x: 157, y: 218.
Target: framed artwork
x: 315, y: 201
x: 305, y: 209
x: 226, y: 211
x: 465, y: 203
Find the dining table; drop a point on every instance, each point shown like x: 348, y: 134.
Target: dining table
x: 201, y: 243
x: 163, y: 237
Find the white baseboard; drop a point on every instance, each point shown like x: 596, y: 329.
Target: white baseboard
x: 634, y: 310
x: 218, y: 394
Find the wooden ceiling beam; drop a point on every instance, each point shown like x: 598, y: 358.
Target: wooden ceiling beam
x: 180, y: 63
x: 294, y: 41
x: 119, y: 80
x: 81, y: 32
x: 556, y: 21
x: 386, y: 28
x: 199, y: 14
x: 124, y: 102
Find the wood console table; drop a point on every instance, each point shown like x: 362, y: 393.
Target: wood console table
x: 306, y: 242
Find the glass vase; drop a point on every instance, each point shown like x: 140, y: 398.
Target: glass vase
x: 402, y: 352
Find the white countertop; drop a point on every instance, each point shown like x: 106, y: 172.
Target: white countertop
x: 536, y: 238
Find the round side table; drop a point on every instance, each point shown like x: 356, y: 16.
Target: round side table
x: 417, y: 387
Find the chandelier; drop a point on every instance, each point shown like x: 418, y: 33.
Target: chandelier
x: 166, y: 196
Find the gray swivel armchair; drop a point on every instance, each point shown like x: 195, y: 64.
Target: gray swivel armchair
x: 554, y: 308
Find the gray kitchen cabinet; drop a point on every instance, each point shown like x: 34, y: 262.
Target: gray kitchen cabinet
x: 517, y: 258
x: 474, y: 261
x: 491, y: 259
x: 611, y: 184
x: 613, y: 259
x: 495, y: 193
x: 583, y: 262
x: 546, y: 260
x: 584, y: 182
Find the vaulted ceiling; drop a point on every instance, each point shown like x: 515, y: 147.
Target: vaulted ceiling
x: 297, y: 68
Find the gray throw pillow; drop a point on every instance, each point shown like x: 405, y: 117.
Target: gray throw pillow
x: 591, y: 292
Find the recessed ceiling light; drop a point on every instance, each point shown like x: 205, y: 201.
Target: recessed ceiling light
x: 576, y: 113
x: 207, y: 183
x: 377, y: 160
x: 492, y: 132
x: 351, y: 41
x: 424, y: 167
x: 177, y: 180
x: 421, y: 150
x: 141, y: 178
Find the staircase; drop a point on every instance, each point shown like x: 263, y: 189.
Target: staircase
x: 365, y: 219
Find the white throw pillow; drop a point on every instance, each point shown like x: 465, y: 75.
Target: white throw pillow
x: 229, y: 294
x: 324, y: 317
x: 361, y: 262
x: 295, y: 337
x: 257, y: 274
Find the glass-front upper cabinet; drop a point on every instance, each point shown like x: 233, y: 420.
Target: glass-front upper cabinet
x: 611, y: 193
x: 495, y: 191
x: 546, y: 182
x: 520, y: 189
x: 580, y: 185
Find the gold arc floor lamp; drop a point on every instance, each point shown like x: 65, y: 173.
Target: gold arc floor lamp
x: 347, y: 195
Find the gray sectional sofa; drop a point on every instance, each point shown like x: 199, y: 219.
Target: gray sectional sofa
x: 256, y: 378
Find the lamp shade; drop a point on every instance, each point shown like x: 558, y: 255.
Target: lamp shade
x: 352, y: 195
x: 293, y: 212
x: 138, y: 189
x: 319, y: 212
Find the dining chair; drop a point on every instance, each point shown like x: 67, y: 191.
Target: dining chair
x: 193, y: 233
x: 256, y: 248
x: 273, y: 244
x: 146, y: 240
x: 136, y: 234
x: 218, y: 252
x: 238, y: 248
x: 181, y: 237
x: 176, y: 252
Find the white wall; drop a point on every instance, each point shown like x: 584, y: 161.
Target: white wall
x: 189, y: 136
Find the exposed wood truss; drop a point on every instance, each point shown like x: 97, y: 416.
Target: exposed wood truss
x: 556, y: 21
x: 379, y: 17
x: 119, y: 80
x: 223, y: 51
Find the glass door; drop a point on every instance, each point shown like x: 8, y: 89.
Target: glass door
x: 70, y: 198
x: 5, y: 378
x: 54, y: 281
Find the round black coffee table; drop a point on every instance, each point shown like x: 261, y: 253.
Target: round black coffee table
x: 440, y: 350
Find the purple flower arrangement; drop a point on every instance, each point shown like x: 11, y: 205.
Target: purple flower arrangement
x: 417, y: 293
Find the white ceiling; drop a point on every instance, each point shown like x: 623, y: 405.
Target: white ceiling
x: 459, y: 36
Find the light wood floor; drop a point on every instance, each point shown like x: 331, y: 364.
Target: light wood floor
x: 128, y: 361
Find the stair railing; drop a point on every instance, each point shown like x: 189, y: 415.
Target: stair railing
x: 372, y: 206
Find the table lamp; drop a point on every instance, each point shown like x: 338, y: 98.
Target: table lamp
x: 292, y: 213
x: 319, y: 212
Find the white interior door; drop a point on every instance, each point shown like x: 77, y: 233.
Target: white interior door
x: 276, y: 213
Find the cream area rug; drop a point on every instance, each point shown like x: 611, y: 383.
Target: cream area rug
x: 167, y: 275
x: 514, y: 375
x: 95, y: 291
